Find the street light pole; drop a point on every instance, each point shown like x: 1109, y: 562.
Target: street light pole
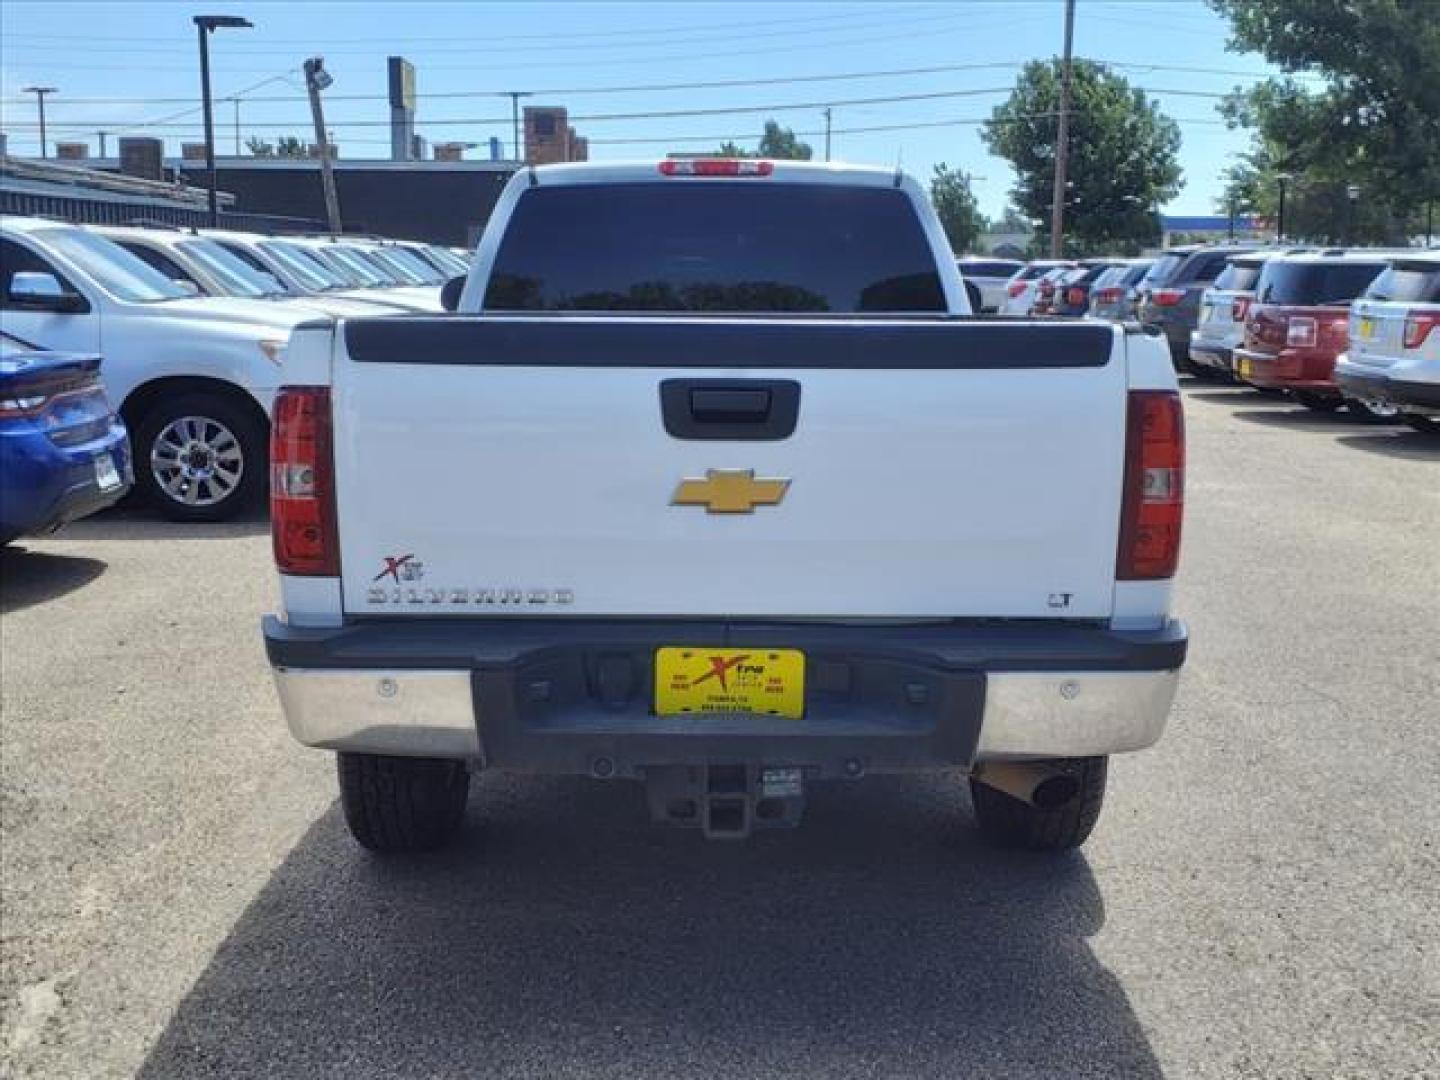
x: 317, y: 79
x: 1352, y: 195
x: 40, y: 92
x: 515, y: 96
x: 827, y: 132
x: 205, y: 25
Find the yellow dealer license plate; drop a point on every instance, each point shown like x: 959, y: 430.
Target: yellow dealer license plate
x: 1246, y: 369
x: 763, y: 682
x: 1367, y: 328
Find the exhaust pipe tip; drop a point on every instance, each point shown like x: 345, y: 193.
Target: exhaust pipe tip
x: 1042, y: 786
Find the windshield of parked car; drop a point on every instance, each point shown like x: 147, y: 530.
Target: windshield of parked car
x: 405, y: 260
x: 234, y: 276
x: 371, y: 270
x: 1411, y: 282
x: 354, y: 269
x: 1238, y: 277
x: 1314, y: 284
x: 121, y: 274
x: 312, y: 273
x: 447, y: 260
x: 698, y: 246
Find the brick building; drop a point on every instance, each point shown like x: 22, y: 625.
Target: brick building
x: 549, y: 138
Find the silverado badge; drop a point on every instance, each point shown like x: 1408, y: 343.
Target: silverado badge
x: 730, y: 491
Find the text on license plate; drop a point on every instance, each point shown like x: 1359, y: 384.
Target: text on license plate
x: 106, y: 475
x: 764, y: 682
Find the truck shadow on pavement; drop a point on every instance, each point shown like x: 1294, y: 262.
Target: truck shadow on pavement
x: 28, y: 578
x: 566, y: 936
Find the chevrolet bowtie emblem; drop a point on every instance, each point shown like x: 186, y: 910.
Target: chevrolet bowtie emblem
x: 730, y: 491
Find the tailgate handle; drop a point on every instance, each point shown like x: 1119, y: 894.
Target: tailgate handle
x: 756, y: 409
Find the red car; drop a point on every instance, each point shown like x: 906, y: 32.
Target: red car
x: 1299, y: 324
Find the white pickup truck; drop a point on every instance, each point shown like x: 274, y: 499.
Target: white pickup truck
x: 712, y: 483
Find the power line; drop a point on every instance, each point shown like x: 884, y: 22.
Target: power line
x: 647, y: 32
x: 592, y: 118
x: 543, y: 45
x: 718, y: 84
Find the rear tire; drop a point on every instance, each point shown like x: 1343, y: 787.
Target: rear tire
x: 1007, y: 822
x: 398, y: 805
x: 1427, y: 424
x: 173, y: 437
x: 1319, y: 402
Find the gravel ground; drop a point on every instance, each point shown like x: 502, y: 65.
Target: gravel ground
x: 1261, y: 898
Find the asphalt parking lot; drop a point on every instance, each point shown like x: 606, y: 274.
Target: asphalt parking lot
x: 1261, y: 898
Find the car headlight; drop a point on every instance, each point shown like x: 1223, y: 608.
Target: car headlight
x: 273, y: 348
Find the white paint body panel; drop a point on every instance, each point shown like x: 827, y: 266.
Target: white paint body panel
x: 979, y: 493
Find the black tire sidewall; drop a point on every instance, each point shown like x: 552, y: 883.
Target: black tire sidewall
x: 248, y: 431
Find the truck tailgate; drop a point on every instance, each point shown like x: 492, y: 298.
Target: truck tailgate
x: 936, y: 468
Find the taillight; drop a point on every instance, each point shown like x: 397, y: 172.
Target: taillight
x: 1015, y: 289
x: 1167, y: 297
x: 1154, y: 500
x: 1240, y: 308
x: 35, y: 395
x: 1417, y: 329
x: 716, y: 167
x: 302, y: 483
x: 1075, y: 297
x: 1301, y: 332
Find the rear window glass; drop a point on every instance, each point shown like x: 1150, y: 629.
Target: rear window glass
x: 1314, y: 284
x: 1239, y: 276
x: 1414, y: 282
x: 1132, y: 274
x: 706, y: 246
x: 988, y: 269
x: 1162, y: 268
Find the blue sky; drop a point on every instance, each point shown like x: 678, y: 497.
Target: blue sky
x: 121, y: 66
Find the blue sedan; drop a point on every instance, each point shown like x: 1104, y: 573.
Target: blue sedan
x: 63, y: 451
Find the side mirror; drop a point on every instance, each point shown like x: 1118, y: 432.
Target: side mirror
x: 186, y: 285
x: 41, y: 291
x: 450, y: 293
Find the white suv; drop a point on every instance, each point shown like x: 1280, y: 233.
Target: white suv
x: 1394, y: 353
x: 193, y: 377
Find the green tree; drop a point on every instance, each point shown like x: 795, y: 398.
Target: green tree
x: 1373, y: 123
x: 287, y: 146
x: 778, y: 142
x: 956, y: 206
x: 1122, y: 155
x: 775, y: 142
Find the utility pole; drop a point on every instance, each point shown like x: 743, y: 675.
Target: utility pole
x: 236, y: 102
x: 40, y: 92
x: 102, y: 135
x: 827, y: 132
x: 1231, y: 208
x: 317, y: 79
x: 205, y: 25
x: 515, y: 96
x: 1062, y: 139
